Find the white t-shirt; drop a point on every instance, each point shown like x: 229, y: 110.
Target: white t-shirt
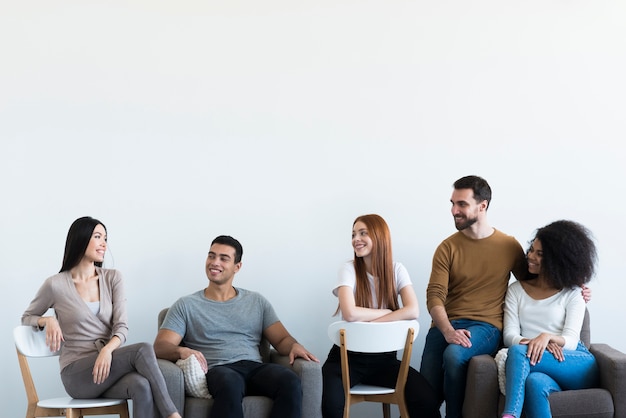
x: 561, y: 314
x: 347, y: 277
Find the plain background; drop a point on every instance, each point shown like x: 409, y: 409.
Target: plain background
x: 279, y: 122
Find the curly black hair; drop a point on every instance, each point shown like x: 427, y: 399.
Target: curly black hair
x: 569, y: 253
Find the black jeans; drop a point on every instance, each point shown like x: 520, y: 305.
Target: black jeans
x: 229, y: 383
x: 379, y: 369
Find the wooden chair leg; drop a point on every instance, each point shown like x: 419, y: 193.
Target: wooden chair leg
x: 404, y: 412
x: 124, y: 413
x: 30, y: 411
x: 386, y: 410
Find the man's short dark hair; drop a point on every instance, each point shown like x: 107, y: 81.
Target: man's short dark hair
x: 231, y: 242
x: 480, y: 187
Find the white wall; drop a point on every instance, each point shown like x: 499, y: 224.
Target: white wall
x: 279, y: 122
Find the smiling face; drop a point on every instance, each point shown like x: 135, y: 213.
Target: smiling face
x: 465, y: 210
x: 97, y: 245
x: 534, y: 256
x: 361, y: 241
x: 220, y: 264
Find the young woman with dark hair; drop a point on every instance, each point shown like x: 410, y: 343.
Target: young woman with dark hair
x: 89, y: 326
x: 368, y: 290
x: 543, y: 317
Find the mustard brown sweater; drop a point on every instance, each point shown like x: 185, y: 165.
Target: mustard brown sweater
x: 469, y: 277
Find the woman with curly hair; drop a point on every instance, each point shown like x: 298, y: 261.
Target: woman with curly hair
x: 368, y: 290
x: 543, y: 316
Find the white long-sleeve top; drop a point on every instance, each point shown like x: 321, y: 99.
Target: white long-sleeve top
x: 561, y: 314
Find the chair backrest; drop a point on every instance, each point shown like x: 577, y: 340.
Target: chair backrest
x: 373, y: 337
x: 32, y: 342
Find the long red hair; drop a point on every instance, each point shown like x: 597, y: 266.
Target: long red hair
x: 382, y: 267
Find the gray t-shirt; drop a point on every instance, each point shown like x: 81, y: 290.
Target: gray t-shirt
x: 225, y: 332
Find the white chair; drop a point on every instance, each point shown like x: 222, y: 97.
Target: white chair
x: 375, y: 337
x: 32, y: 343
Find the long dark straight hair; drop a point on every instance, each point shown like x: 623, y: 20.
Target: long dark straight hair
x: 77, y: 240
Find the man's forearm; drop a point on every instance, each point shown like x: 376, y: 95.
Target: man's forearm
x: 167, y: 351
x: 440, y: 319
x: 285, y: 345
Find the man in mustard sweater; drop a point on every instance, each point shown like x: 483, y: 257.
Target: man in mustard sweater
x: 465, y: 295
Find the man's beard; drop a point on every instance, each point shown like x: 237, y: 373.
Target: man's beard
x: 464, y: 223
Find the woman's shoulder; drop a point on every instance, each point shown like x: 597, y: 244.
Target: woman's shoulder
x: 107, y: 271
x: 347, y: 268
x: 111, y: 275
x: 56, y: 281
x: 346, y: 277
x: 57, y: 277
x: 399, y: 268
x: 572, y: 294
x: 347, y: 265
x: 516, y: 287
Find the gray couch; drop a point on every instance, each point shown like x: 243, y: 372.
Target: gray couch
x: 484, y: 400
x: 253, y: 406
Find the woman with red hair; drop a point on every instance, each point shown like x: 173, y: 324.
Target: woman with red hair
x: 368, y: 290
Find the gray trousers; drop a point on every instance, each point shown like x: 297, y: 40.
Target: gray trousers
x: 134, y: 375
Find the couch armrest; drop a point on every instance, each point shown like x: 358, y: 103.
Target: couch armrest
x: 482, y: 390
x: 612, y: 364
x: 175, y: 383
x: 310, y: 374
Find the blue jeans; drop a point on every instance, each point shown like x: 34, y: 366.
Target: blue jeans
x: 229, y: 383
x: 529, y: 386
x: 445, y: 365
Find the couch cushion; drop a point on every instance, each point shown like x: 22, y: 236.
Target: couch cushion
x: 583, y: 403
x: 587, y: 403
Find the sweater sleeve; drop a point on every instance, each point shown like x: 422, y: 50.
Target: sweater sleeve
x: 119, y: 326
x: 437, y: 289
x: 345, y: 277
x: 512, y: 331
x: 401, y: 276
x: 574, y: 316
x: 43, y: 300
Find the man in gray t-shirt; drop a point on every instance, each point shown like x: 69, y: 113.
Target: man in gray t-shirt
x: 223, y: 326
